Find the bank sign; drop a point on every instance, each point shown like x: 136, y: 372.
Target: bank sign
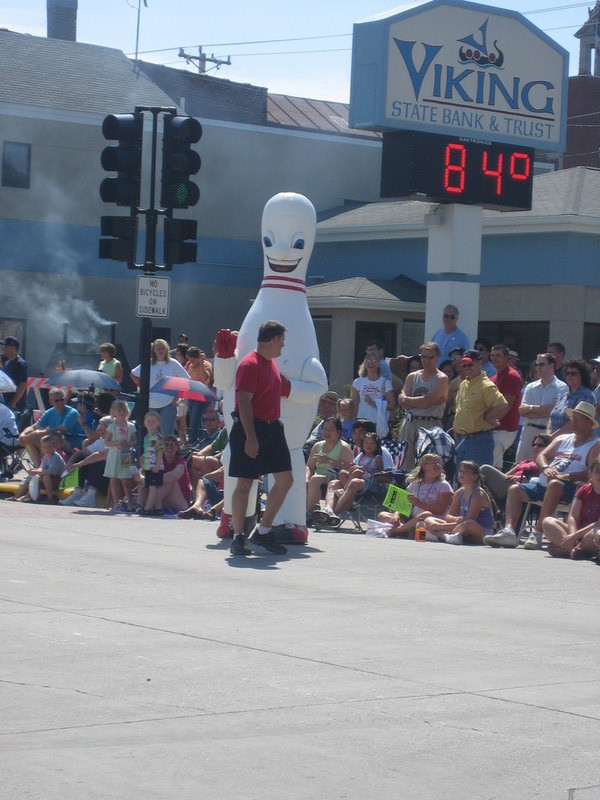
x: 458, y: 68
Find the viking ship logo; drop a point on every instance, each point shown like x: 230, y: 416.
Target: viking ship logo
x: 475, y: 50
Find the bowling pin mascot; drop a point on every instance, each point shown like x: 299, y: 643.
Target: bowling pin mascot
x: 288, y: 235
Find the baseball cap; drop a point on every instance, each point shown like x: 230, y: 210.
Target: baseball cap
x: 10, y: 340
x: 513, y: 353
x: 471, y: 355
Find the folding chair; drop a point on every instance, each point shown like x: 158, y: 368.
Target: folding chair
x: 531, y: 513
x: 13, y: 457
x: 368, y: 505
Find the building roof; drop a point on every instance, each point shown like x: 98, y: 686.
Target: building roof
x: 71, y: 76
x: 364, y: 293
x: 558, y: 195
x: 74, y: 76
x: 319, y: 115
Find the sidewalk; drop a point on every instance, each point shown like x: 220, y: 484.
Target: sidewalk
x: 140, y: 660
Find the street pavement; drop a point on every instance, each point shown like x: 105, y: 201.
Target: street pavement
x: 140, y: 660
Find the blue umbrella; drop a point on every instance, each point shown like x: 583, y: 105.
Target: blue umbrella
x: 83, y: 379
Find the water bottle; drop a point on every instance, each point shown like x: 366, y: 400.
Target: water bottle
x: 420, y: 531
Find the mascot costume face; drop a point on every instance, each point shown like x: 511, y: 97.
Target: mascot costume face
x: 288, y: 235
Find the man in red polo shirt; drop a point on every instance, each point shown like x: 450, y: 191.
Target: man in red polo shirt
x: 257, y: 440
x: 510, y: 383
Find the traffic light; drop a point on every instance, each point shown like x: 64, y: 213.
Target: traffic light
x: 122, y: 245
x: 178, y: 248
x: 179, y: 161
x: 125, y: 159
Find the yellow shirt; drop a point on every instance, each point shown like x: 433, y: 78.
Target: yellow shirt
x: 475, y: 396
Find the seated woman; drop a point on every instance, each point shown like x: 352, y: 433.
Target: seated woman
x: 369, y: 465
x: 326, y: 459
x: 429, y: 493
x: 578, y: 378
x: 469, y: 517
x: 175, y: 493
x: 498, y: 483
x: 579, y: 536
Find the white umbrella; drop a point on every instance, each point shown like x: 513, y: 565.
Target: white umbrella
x: 6, y: 383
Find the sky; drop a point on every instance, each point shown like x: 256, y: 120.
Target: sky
x: 279, y: 45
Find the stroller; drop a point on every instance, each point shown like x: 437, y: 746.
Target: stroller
x: 436, y: 440
x: 13, y: 457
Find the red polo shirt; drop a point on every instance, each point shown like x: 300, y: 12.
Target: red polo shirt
x: 510, y: 383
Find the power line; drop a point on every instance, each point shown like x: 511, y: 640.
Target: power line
x: 243, y: 44
x: 546, y: 10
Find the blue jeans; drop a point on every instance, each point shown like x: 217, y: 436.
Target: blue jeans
x: 167, y: 419
x: 478, y: 447
x: 197, y: 408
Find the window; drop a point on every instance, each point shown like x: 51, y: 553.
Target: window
x: 323, y: 332
x: 16, y: 164
x: 527, y: 338
x: 366, y: 331
x: 591, y: 339
x: 413, y: 336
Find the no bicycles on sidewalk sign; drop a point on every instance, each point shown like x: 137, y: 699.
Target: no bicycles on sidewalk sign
x: 153, y: 296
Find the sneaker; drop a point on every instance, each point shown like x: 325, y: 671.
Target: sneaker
x: 239, y: 546
x: 504, y: 538
x: 70, y: 500
x: 454, y: 538
x: 533, y: 541
x: 34, y: 488
x: 88, y: 500
x: 268, y: 541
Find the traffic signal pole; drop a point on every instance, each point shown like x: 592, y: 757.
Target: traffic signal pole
x: 179, y: 161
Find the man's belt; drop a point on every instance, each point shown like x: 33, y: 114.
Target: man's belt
x: 469, y: 435
x: 533, y: 425
x: 429, y: 419
x: 236, y: 418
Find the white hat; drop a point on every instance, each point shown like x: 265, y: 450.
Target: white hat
x: 585, y: 409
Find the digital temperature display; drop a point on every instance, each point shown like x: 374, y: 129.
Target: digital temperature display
x: 448, y: 169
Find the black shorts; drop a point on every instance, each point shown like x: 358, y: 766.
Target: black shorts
x: 273, y: 453
x: 153, y: 479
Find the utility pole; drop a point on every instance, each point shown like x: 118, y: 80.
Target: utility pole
x: 201, y: 59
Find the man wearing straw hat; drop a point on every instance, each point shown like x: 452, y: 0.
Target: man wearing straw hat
x: 565, y: 461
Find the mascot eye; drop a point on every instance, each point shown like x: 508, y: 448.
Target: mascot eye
x: 298, y: 244
x: 267, y: 242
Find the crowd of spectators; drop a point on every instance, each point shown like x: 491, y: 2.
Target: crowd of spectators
x: 547, y: 427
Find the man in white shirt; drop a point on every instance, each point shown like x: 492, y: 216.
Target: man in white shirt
x: 537, y: 402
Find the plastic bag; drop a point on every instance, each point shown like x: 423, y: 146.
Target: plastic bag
x: 378, y: 529
x: 382, y: 425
